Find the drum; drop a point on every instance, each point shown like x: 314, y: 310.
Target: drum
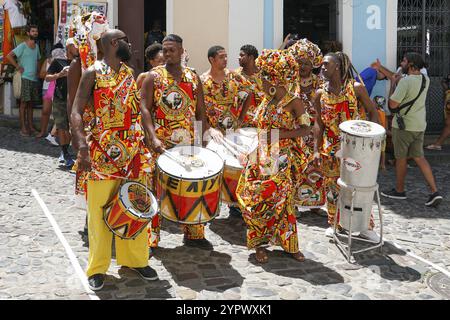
x: 188, y: 184
x: 361, y: 143
x: 131, y: 209
x: 233, y: 152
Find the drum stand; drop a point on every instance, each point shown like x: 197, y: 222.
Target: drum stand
x: 347, y: 249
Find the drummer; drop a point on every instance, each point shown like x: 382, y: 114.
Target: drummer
x: 173, y: 96
x: 227, y: 96
x: 265, y: 189
x: 340, y: 99
x: 115, y: 152
x: 247, y: 56
x: 311, y: 191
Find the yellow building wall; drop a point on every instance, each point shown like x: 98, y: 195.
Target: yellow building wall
x: 201, y: 24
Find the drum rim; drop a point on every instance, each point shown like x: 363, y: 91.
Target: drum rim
x: 362, y: 135
x: 152, y: 197
x: 192, y: 179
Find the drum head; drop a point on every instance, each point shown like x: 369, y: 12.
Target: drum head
x: 138, y: 199
x: 245, y: 140
x: 360, y: 128
x: 201, y: 162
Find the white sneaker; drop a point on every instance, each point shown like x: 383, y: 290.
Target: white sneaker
x: 329, y: 232
x: 370, y: 235
x: 61, y: 158
x: 51, y: 139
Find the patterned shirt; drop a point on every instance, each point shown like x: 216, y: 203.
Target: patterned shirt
x: 174, y: 106
x: 336, y: 110
x: 224, y: 100
x: 117, y: 148
x: 257, y: 96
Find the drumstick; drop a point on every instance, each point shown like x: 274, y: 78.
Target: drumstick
x: 170, y: 155
x: 235, y: 145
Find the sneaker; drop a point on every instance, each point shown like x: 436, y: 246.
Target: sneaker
x: 146, y: 273
x: 96, y: 282
x: 370, y: 235
x: 68, y: 163
x: 52, y: 140
x: 235, y: 212
x: 434, y: 200
x: 393, y: 194
x: 61, y: 158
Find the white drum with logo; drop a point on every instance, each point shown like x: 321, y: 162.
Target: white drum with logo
x: 361, y: 143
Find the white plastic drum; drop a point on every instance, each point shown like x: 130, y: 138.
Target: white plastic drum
x: 361, y: 143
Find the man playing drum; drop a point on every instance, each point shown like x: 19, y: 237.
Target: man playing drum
x: 227, y: 96
x: 338, y: 101
x: 115, y: 152
x: 172, y: 100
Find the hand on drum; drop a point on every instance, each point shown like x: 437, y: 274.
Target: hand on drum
x: 84, y: 162
x: 216, y: 135
x: 158, y: 146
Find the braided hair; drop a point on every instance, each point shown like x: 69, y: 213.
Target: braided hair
x: 348, y: 71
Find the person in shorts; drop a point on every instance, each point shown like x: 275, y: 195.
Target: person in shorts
x: 58, y: 71
x: 408, y: 141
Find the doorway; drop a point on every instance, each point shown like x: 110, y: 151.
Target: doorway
x: 315, y: 20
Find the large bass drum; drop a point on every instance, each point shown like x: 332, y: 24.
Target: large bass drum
x: 234, y: 151
x: 188, y: 184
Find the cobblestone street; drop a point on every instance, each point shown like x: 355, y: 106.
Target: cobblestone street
x: 34, y: 263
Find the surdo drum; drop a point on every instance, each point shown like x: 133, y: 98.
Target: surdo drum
x: 234, y: 150
x: 188, y: 184
x: 361, y: 143
x: 131, y: 209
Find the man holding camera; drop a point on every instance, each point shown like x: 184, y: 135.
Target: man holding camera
x: 407, y: 103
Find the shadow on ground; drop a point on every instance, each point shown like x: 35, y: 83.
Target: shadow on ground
x: 199, y: 269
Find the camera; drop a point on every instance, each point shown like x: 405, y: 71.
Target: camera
x: 400, y: 122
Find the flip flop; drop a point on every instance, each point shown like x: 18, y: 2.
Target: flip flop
x: 24, y: 134
x: 434, y: 147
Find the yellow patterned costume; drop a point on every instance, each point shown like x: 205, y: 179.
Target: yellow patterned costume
x: 265, y: 189
x: 256, y: 99
x: 224, y: 101
x: 174, y: 106
x: 116, y: 151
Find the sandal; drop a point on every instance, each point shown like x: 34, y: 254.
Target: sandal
x: 298, y: 256
x: 25, y: 134
x: 261, y: 255
x: 434, y: 147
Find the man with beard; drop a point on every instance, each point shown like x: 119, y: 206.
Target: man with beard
x: 172, y: 126
x: 407, y: 103
x: 340, y: 99
x: 28, y: 56
x: 117, y: 124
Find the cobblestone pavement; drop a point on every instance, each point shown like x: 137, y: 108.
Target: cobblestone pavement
x: 34, y: 263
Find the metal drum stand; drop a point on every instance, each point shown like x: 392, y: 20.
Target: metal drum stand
x: 347, y: 249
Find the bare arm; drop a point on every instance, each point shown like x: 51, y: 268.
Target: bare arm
x: 11, y: 58
x: 319, y: 127
x: 297, y: 107
x: 368, y: 105
x: 73, y: 80
x: 200, y: 112
x: 43, y: 71
x: 82, y: 96
x: 147, y: 111
x: 245, y: 107
x: 140, y: 79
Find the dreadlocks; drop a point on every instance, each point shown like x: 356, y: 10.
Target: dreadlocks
x: 348, y: 71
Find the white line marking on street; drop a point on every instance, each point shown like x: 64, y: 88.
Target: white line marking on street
x: 72, y: 257
x: 412, y: 254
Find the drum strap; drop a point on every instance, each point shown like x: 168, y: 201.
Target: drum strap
x: 119, y: 170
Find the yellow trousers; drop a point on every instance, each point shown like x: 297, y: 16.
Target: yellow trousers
x: 130, y: 253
